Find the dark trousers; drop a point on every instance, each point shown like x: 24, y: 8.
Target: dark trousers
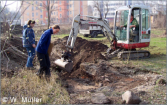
x: 44, y: 64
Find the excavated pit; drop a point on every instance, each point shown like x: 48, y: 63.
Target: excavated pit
x: 91, y: 70
x: 84, y: 51
x: 90, y: 64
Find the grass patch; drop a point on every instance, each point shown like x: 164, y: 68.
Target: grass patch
x: 59, y: 36
x: 98, y: 38
x: 158, y: 46
x: 27, y: 84
x: 157, y: 60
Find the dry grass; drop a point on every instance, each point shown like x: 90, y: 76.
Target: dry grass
x: 27, y: 84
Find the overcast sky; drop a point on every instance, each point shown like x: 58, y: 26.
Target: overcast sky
x: 12, y: 5
x: 15, y: 4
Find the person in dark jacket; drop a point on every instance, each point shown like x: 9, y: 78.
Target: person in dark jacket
x: 29, y: 42
x: 42, y: 51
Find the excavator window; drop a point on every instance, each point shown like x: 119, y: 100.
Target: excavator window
x: 145, y: 23
x: 121, y: 19
x: 134, y: 31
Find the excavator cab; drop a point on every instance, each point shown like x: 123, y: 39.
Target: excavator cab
x: 132, y: 26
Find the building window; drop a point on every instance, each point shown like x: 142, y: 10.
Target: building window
x: 32, y: 14
x: 67, y: 13
x: 60, y: 2
x: 41, y: 16
x: 70, y: 12
x: 41, y: 10
x: 60, y: 15
x: 60, y: 8
x: 36, y: 8
x: 37, y: 14
x: 40, y: 4
x: 54, y: 13
x: 32, y: 8
x: 70, y: 5
x: 36, y: 2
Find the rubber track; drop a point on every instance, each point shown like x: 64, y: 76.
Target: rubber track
x: 133, y: 54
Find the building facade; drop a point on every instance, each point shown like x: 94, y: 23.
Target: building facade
x: 60, y: 12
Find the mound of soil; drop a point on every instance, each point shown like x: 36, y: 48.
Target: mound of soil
x: 84, y: 51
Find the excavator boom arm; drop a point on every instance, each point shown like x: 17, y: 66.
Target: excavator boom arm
x: 77, y: 21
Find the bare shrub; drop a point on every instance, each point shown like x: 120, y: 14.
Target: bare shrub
x: 159, y: 21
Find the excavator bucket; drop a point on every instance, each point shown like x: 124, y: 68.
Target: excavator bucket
x: 65, y: 65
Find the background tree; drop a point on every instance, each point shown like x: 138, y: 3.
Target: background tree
x: 9, y: 18
x: 158, y: 12
x: 90, y: 8
x: 50, y: 7
x: 102, y: 7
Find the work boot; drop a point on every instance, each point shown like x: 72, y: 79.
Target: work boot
x: 32, y: 68
x: 47, y: 78
x: 28, y: 68
x: 40, y: 75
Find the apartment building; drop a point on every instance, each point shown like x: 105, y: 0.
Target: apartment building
x: 61, y: 12
x: 31, y: 10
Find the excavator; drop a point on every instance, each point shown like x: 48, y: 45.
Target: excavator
x: 124, y: 39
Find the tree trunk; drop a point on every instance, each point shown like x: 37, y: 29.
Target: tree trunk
x: 48, y: 10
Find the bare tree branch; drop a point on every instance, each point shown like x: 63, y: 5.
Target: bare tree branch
x: 96, y: 5
x: 107, y: 9
x: 3, y: 7
x: 11, y: 3
x: 16, y: 15
x: 50, y: 8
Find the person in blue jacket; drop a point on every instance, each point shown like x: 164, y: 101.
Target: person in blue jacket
x: 42, y: 51
x: 29, y: 42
